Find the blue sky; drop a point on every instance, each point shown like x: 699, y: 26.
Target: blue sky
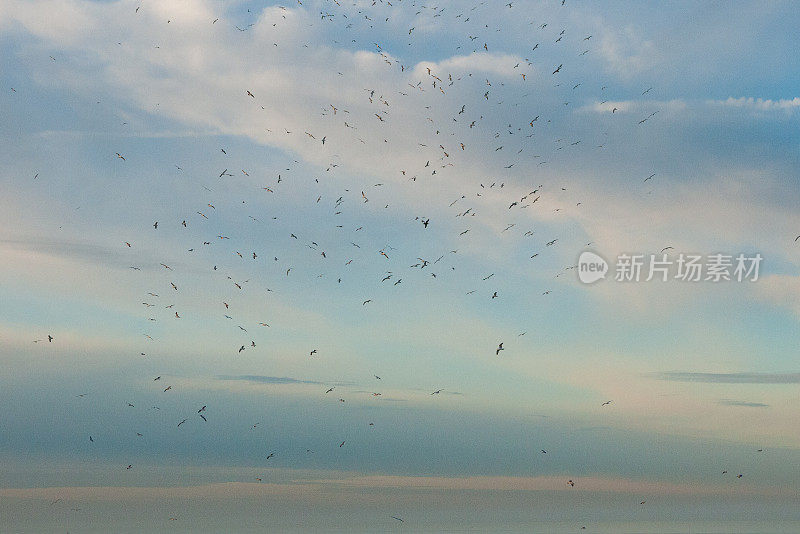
x: 700, y: 375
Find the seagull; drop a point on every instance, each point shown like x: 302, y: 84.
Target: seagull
x: 499, y: 348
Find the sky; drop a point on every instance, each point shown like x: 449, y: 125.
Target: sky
x: 375, y: 197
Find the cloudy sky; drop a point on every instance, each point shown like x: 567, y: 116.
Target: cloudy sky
x: 290, y: 155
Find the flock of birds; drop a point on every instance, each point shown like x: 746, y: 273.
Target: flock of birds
x: 439, y: 148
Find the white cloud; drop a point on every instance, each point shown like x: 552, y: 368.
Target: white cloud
x: 636, y: 106
x: 759, y: 104
x: 628, y: 53
x: 484, y: 62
